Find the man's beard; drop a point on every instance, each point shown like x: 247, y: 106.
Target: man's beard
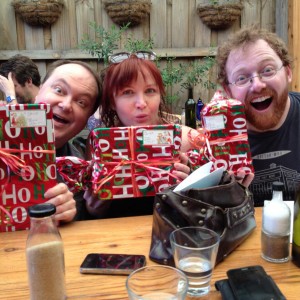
x: 271, y: 118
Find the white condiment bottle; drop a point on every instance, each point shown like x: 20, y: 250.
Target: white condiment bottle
x: 275, y: 235
x: 45, y: 255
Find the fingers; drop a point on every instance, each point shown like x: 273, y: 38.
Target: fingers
x: 63, y: 199
x: 248, y: 179
x: 7, y: 85
x: 183, y: 158
x: 182, y: 170
x: 243, y: 178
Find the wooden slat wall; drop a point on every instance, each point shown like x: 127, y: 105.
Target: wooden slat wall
x: 294, y: 41
x: 174, y: 26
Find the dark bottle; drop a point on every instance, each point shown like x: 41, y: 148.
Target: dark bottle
x: 190, y: 110
x: 296, y: 235
x: 200, y: 105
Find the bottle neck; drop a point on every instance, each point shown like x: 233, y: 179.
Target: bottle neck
x: 277, y: 196
x: 42, y: 225
x: 190, y: 95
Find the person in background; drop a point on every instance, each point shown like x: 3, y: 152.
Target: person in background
x: 19, y: 79
x: 73, y: 90
x: 255, y: 68
x: 133, y: 95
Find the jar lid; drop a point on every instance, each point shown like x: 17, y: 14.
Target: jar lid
x: 42, y: 210
x: 277, y: 186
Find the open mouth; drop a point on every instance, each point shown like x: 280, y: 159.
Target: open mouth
x: 261, y: 103
x: 59, y: 119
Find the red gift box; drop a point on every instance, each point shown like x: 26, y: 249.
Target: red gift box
x: 27, y: 161
x: 133, y: 161
x: 223, y: 139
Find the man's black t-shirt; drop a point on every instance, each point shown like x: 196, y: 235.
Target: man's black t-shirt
x: 276, y: 156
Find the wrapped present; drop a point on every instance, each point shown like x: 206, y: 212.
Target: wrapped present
x: 223, y: 138
x: 27, y: 161
x: 133, y: 161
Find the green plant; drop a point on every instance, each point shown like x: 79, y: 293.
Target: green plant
x: 133, y: 45
x: 105, y: 43
x: 197, y: 73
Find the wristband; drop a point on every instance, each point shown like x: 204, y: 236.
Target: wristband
x: 9, y: 99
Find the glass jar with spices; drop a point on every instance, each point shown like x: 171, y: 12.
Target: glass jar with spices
x: 45, y: 255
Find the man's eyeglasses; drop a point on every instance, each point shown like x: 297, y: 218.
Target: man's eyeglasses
x: 266, y: 74
x: 119, y: 57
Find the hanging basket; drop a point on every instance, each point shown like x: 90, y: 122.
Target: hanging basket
x: 39, y: 12
x: 127, y: 11
x: 219, y: 16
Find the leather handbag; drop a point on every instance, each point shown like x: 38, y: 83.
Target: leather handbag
x: 227, y: 208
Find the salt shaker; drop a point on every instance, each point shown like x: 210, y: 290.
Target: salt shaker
x: 275, y: 235
x: 45, y: 255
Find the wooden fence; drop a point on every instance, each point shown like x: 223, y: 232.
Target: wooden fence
x: 173, y: 25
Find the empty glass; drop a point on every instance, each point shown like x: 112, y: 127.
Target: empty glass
x: 157, y: 282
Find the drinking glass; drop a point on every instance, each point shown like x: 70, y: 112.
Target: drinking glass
x: 157, y: 282
x: 195, y: 250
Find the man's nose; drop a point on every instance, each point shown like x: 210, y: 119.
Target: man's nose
x: 66, y: 103
x: 256, y: 83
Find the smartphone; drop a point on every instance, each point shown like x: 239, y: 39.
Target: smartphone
x: 253, y: 282
x: 104, y: 263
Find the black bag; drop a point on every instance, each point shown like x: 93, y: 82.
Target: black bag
x: 227, y: 209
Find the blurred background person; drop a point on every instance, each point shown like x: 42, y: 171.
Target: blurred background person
x: 19, y: 80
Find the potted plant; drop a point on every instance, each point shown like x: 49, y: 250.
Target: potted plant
x: 127, y: 11
x: 38, y: 12
x: 217, y: 14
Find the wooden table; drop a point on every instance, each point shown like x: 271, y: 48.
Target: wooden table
x: 125, y: 235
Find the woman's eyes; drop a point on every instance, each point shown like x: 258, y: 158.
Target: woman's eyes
x: 131, y: 92
x: 151, y: 90
x: 127, y: 92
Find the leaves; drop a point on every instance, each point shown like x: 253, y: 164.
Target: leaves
x: 106, y: 41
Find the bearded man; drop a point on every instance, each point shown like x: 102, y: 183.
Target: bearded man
x: 255, y: 68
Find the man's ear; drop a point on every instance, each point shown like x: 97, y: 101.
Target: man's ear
x: 227, y: 90
x: 289, y: 73
x: 29, y: 81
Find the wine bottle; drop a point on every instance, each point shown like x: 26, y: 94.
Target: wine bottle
x: 190, y: 110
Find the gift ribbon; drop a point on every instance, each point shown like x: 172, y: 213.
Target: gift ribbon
x: 14, y: 164
x: 134, y: 163
x: 201, y: 142
x: 75, y: 171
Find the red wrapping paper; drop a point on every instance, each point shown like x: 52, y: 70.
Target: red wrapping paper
x: 27, y: 161
x: 133, y: 161
x: 223, y: 139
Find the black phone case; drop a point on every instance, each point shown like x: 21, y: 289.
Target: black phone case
x: 228, y: 288
x: 224, y: 288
